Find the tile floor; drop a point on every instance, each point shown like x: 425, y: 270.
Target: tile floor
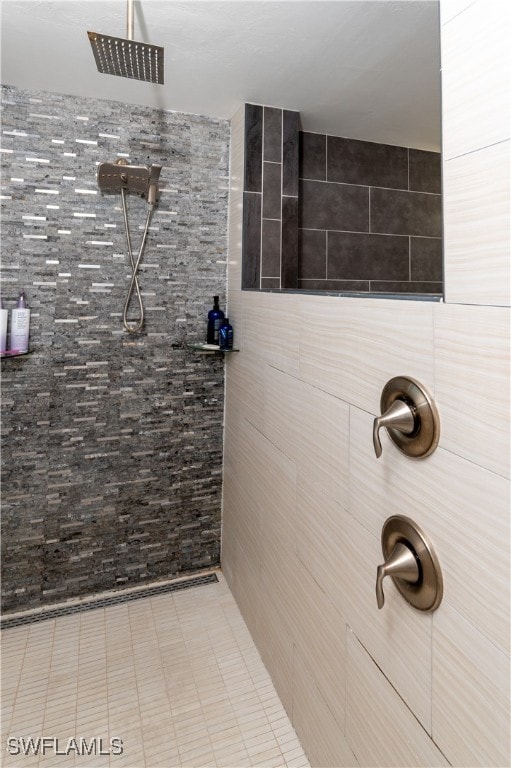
x: 176, y: 677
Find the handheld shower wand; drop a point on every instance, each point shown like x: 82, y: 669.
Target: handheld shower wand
x: 120, y: 176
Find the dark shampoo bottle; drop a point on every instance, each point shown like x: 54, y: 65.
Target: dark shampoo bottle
x: 226, y: 335
x: 215, y: 317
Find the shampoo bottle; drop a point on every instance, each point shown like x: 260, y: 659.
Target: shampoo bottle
x: 215, y: 317
x: 4, y: 315
x: 20, y: 325
x: 225, y: 335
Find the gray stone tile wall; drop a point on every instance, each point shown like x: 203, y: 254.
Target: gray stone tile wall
x: 112, y: 443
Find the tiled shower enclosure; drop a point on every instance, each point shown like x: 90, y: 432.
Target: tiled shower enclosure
x: 112, y: 443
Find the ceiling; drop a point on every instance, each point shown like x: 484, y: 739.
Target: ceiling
x: 365, y: 69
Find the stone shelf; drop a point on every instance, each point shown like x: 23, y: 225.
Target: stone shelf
x: 14, y: 353
x: 210, y: 348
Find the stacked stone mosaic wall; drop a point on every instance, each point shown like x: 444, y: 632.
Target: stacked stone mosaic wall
x: 112, y: 443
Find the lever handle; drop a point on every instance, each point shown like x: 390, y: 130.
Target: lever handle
x: 398, y: 416
x: 402, y: 563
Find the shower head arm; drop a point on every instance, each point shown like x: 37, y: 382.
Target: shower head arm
x: 130, y: 20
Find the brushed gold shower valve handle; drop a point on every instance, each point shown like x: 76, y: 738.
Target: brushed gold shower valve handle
x: 398, y: 416
x: 402, y: 563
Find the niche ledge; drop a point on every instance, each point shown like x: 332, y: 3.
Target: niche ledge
x: 210, y: 348
x: 8, y: 353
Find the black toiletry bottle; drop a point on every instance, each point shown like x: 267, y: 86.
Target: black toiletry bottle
x: 225, y: 335
x: 215, y: 317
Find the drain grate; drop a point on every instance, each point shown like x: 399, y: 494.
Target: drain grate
x: 104, y: 602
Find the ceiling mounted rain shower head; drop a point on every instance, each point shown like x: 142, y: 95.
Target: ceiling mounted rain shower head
x: 126, y: 57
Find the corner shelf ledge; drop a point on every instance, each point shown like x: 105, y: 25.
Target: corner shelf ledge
x: 210, y: 348
x: 8, y: 353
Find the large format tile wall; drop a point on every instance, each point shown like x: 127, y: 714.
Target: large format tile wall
x: 370, y: 217
x: 305, y: 498
x: 112, y: 451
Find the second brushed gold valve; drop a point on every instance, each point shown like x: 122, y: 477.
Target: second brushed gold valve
x: 409, y: 416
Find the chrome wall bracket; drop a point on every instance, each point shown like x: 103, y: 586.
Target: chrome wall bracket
x: 411, y: 562
x: 410, y: 417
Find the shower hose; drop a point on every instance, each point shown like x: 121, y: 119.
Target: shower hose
x: 134, y: 326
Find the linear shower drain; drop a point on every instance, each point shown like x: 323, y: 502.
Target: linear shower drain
x: 104, y: 602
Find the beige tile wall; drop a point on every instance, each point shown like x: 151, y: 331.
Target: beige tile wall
x: 305, y: 497
x: 476, y: 118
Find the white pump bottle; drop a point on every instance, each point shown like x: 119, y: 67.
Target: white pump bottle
x: 20, y: 325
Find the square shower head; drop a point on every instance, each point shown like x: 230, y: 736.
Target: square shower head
x: 127, y: 58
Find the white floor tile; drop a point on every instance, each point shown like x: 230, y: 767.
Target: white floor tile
x: 176, y: 677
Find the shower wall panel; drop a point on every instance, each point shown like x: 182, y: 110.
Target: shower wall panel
x: 305, y: 497
x: 112, y: 443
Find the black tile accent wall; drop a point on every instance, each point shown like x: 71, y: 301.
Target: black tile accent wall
x: 426, y: 258
x: 271, y: 167
x: 355, y: 256
x: 253, y: 148
x: 366, y: 163
x: 271, y: 248
x: 353, y: 215
x: 312, y: 254
x: 334, y: 206
x: 272, y: 135
x: 251, y: 242
x: 290, y: 152
x: 361, y: 286
x: 312, y: 156
x: 270, y: 283
x: 289, y: 262
x: 370, y: 217
x: 112, y: 444
x: 425, y: 171
x: 272, y: 184
x: 397, y: 212
x: 409, y: 286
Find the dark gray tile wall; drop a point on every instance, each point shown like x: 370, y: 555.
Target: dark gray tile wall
x: 253, y: 148
x: 329, y: 213
x: 270, y: 198
x: 363, y: 162
x: 369, y: 217
x: 397, y: 212
x: 251, y: 245
x: 333, y: 206
x: 384, y: 257
x: 112, y: 444
x: 425, y: 171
